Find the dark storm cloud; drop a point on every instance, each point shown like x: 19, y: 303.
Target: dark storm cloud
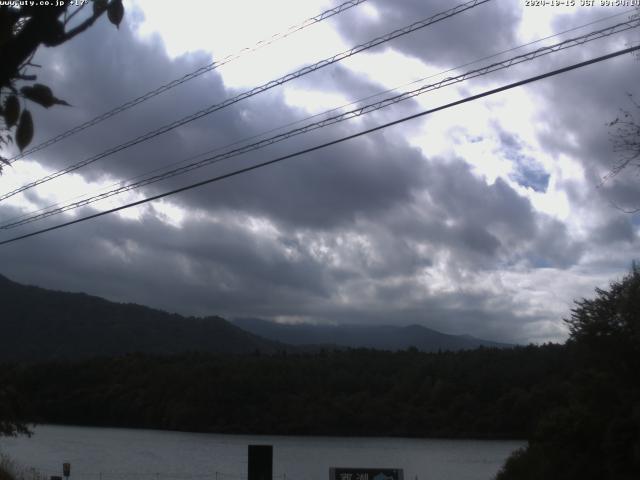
x: 480, y: 224
x: 226, y: 269
x: 202, y: 268
x: 463, y: 196
x: 581, y: 103
x: 339, y: 79
x: 350, y: 233
x: 467, y: 36
x: 614, y: 230
x: 621, y: 193
x: 326, y: 188
x: 329, y: 187
x: 117, y: 67
x: 578, y: 107
x: 553, y: 245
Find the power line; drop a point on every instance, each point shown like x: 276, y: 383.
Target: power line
x: 333, y: 142
x: 31, y: 216
x: 366, y: 109
x: 267, y: 86
x: 190, y: 76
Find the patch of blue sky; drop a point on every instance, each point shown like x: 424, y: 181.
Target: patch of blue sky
x: 532, y: 177
x: 528, y: 172
x: 538, y: 261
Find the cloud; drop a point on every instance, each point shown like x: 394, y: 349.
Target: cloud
x: 459, y: 39
x: 453, y: 222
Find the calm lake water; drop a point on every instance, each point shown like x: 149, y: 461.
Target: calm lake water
x: 123, y: 454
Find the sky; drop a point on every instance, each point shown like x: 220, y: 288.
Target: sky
x: 488, y: 218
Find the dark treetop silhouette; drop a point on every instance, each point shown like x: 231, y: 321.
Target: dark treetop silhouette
x: 23, y: 29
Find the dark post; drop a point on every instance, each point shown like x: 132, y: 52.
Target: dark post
x: 260, y: 462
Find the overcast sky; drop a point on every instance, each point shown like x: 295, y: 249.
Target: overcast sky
x: 486, y: 219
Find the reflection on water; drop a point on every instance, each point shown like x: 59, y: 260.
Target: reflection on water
x: 124, y: 454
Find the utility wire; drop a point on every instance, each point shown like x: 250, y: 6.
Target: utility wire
x: 591, y: 36
x: 31, y: 214
x: 190, y: 76
x: 333, y: 142
x: 273, y: 83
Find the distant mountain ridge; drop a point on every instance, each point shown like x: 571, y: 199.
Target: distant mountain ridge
x: 37, y: 324
x: 383, y: 337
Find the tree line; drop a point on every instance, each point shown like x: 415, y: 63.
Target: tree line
x: 486, y: 393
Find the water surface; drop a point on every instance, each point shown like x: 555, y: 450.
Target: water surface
x: 126, y: 454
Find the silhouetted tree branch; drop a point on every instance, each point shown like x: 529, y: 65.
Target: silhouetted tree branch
x: 23, y: 29
x: 625, y: 138
x: 624, y: 135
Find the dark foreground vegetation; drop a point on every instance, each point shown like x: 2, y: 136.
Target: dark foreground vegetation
x: 578, y: 403
x: 483, y: 393
x: 593, y: 430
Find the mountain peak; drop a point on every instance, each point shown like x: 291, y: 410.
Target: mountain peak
x: 381, y: 337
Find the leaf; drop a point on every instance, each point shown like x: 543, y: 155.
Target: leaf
x: 11, y: 110
x: 24, y: 134
x: 42, y: 95
x: 39, y: 93
x: 115, y: 12
x: 52, y: 33
x: 99, y: 6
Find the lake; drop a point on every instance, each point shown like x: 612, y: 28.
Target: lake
x: 125, y: 454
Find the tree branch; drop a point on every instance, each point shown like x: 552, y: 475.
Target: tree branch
x: 75, y: 12
x: 79, y: 28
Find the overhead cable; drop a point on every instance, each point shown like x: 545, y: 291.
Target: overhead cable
x: 321, y: 114
x: 327, y: 144
x: 366, y: 109
x: 267, y: 86
x: 190, y: 76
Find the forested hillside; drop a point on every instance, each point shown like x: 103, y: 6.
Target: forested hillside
x: 486, y: 393
x: 39, y: 324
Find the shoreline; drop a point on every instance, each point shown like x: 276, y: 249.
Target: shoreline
x: 381, y: 436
